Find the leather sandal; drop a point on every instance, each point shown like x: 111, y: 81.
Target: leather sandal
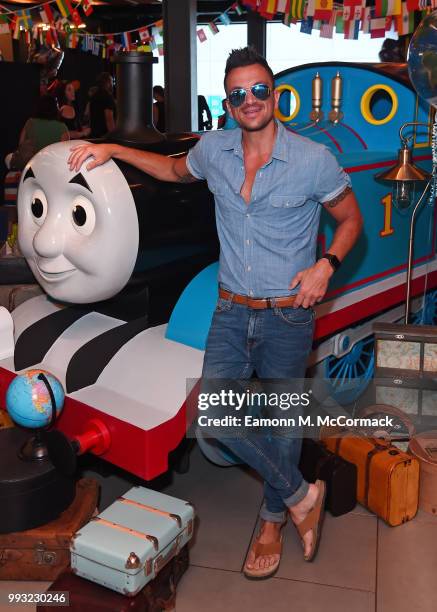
x: 314, y: 520
x: 261, y: 550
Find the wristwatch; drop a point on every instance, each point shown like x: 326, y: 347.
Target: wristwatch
x: 333, y: 260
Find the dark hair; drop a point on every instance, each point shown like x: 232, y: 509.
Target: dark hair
x: 102, y: 79
x: 392, y: 51
x: 247, y: 56
x: 158, y: 89
x: 46, y: 108
x: 60, y: 92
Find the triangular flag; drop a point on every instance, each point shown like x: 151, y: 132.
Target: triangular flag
x: 201, y: 35
x: 225, y: 19
x: 306, y: 26
x: 212, y: 26
x: 296, y: 9
x: 283, y: 6
x: 46, y: 13
x: 4, y: 24
x: 405, y: 21
x: 367, y: 16
x: 86, y: 7
x: 127, y: 42
x: 67, y: 10
x: 15, y: 27
x: 377, y: 27
x: 25, y: 19
x: 323, y: 9
x: 237, y: 8
x: 327, y: 29
x: 351, y: 29
x: 144, y: 34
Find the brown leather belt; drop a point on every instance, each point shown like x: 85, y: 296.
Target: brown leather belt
x: 279, y: 302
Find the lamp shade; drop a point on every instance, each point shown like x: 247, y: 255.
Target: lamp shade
x: 404, y: 170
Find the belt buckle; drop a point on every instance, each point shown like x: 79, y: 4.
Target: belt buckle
x: 269, y: 303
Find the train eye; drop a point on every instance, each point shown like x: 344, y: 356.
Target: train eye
x: 38, y: 206
x: 83, y: 216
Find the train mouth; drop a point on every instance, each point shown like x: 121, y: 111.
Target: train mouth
x: 55, y: 276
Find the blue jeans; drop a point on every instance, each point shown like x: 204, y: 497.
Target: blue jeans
x: 274, y: 342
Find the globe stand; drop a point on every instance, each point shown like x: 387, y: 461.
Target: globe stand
x: 35, y: 448
x: 33, y: 491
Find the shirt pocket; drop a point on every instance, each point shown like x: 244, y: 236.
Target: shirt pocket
x: 287, y: 201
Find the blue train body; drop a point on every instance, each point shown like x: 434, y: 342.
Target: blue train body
x: 377, y: 99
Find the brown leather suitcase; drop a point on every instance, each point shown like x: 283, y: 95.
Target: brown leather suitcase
x: 12, y: 296
x: 44, y: 552
x: 388, y: 479
x: 5, y: 420
x: 423, y: 446
x: 157, y: 595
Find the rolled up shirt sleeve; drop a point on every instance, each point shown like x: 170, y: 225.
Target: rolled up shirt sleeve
x: 331, y: 178
x: 196, y: 160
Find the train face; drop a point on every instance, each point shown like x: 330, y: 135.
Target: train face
x: 136, y: 381
x: 86, y: 235
x: 78, y: 231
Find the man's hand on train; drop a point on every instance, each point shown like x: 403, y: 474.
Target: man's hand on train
x: 313, y: 283
x: 100, y: 153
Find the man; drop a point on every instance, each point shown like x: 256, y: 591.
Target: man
x: 268, y: 185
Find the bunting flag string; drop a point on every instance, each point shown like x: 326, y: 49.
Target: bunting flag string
x: 55, y: 22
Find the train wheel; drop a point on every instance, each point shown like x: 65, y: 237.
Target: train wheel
x: 427, y: 315
x: 346, y: 378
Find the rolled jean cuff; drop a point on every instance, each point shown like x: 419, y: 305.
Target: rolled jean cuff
x: 272, y: 517
x: 298, y: 495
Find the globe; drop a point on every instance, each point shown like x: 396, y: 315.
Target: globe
x: 422, y: 59
x: 28, y: 399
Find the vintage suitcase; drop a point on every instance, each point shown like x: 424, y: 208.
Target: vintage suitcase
x: 388, y: 479
x: 5, y: 420
x: 44, y: 552
x: 126, y: 545
x: 423, y: 446
x: 12, y: 296
x: 406, y: 370
x: 408, y: 351
x: 159, y: 594
x: 340, y: 476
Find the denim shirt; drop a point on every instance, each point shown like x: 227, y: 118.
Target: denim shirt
x: 263, y: 244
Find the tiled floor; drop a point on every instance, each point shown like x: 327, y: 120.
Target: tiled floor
x: 362, y: 565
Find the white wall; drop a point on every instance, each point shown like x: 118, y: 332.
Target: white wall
x: 286, y: 47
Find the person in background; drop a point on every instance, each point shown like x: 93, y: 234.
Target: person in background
x: 102, y: 107
x: 221, y: 120
x: 392, y: 51
x: 68, y: 110
x: 202, y: 107
x: 159, y: 108
x: 41, y: 130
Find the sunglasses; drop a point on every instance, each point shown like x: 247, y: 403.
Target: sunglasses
x: 260, y: 91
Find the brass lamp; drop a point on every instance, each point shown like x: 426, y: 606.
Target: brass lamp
x: 404, y: 175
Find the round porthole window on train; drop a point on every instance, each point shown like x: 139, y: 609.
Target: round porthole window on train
x: 379, y: 104
x: 289, y: 103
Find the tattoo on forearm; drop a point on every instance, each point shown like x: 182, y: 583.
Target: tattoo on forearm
x: 341, y: 196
